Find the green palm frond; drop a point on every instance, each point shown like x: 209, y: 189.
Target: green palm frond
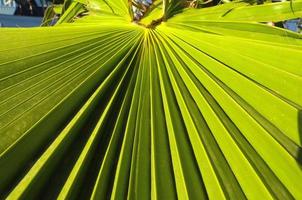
x: 205, y: 105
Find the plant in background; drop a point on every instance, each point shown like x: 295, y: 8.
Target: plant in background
x: 185, y: 102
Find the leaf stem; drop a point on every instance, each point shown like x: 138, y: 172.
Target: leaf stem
x: 165, y: 8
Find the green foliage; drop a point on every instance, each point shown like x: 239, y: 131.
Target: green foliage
x: 204, y: 105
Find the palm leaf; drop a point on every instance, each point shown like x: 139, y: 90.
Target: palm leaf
x: 204, y: 105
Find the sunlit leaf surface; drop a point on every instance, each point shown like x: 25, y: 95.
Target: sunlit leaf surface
x: 207, y: 105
